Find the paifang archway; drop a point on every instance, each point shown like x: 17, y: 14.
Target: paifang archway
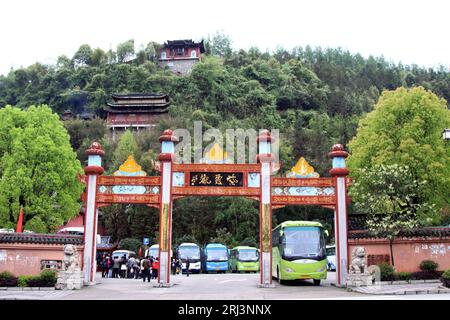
x: 254, y: 181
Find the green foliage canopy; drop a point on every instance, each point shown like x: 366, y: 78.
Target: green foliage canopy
x: 38, y: 170
x: 406, y: 129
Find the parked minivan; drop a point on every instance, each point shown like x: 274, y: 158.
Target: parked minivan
x: 120, y: 253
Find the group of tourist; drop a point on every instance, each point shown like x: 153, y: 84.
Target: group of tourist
x: 130, y: 268
x: 146, y: 268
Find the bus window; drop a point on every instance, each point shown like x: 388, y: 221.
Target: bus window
x: 217, y: 254
x: 302, y: 242
x: 248, y: 255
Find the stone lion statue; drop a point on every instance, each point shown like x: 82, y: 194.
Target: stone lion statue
x: 69, y: 277
x: 70, y: 261
x: 358, y: 264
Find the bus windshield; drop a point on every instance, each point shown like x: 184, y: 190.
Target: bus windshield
x: 153, y: 252
x: 217, y: 254
x: 191, y: 252
x: 248, y: 255
x: 303, y: 242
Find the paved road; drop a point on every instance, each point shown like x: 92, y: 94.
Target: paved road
x: 207, y: 287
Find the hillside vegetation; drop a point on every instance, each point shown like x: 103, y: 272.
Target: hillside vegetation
x: 315, y: 96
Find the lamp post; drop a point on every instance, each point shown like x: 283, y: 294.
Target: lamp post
x: 265, y: 216
x: 167, y: 156
x: 92, y: 171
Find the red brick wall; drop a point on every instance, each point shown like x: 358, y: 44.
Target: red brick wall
x: 408, y: 253
x: 25, y: 259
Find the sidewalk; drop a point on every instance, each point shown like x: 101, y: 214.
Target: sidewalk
x: 403, y: 289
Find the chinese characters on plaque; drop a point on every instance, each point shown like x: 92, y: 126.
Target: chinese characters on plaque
x: 216, y: 179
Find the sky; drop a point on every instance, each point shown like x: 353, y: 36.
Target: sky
x: 411, y: 32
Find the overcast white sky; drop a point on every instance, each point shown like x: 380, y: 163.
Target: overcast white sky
x: 401, y: 30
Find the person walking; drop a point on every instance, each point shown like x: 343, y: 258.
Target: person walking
x: 105, y: 267
x: 130, y: 267
x: 155, y: 268
x: 110, y: 266
x: 116, y: 266
x: 145, y: 269
x: 179, y: 266
x: 188, y: 264
x: 173, y: 266
x: 136, y: 268
x: 123, y: 266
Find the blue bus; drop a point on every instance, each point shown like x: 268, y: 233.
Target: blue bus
x: 215, y: 258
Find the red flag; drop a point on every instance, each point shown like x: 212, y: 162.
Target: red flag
x: 20, y: 221
x: 140, y: 252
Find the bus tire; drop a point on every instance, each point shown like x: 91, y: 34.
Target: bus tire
x: 279, y: 277
x: 316, y: 282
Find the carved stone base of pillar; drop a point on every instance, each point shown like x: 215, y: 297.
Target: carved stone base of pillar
x: 69, y: 280
x: 359, y: 280
x: 162, y: 285
x: 266, y: 285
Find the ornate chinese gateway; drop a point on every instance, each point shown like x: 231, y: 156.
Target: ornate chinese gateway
x: 216, y: 176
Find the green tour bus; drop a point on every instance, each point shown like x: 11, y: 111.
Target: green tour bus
x: 245, y: 259
x: 299, y: 251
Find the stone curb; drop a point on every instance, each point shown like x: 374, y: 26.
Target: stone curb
x: 27, y: 288
x: 439, y: 290
x: 409, y: 282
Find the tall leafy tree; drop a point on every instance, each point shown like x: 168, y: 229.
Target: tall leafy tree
x: 38, y: 170
x: 406, y: 129
x: 390, y: 197
x: 125, y: 50
x: 127, y: 146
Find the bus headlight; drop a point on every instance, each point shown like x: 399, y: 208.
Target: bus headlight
x: 322, y: 269
x: 288, y: 269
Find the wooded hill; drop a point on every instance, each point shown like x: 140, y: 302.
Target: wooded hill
x: 314, y: 96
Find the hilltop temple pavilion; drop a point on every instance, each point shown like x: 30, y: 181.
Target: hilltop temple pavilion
x: 136, y: 110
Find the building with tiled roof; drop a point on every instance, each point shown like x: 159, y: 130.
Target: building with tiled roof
x: 181, y: 55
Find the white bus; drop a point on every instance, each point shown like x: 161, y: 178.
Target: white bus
x: 191, y: 251
x: 153, y: 251
x: 79, y: 231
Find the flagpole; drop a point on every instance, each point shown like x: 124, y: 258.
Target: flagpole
x: 20, y: 221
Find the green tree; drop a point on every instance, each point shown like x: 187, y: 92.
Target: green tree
x: 83, y: 55
x: 38, y: 170
x: 127, y: 146
x: 406, y: 129
x: 125, y: 50
x: 390, y: 196
x: 130, y: 244
x: 219, y: 45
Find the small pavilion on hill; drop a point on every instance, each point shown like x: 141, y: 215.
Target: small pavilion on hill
x: 136, y: 110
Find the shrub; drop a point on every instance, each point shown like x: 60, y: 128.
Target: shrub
x: 428, y: 266
x: 445, y: 278
x: 48, y: 278
x: 426, y: 275
x: 387, y: 272
x: 34, y: 281
x: 23, y: 280
x: 403, y: 276
x: 7, y: 279
x: 6, y: 275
